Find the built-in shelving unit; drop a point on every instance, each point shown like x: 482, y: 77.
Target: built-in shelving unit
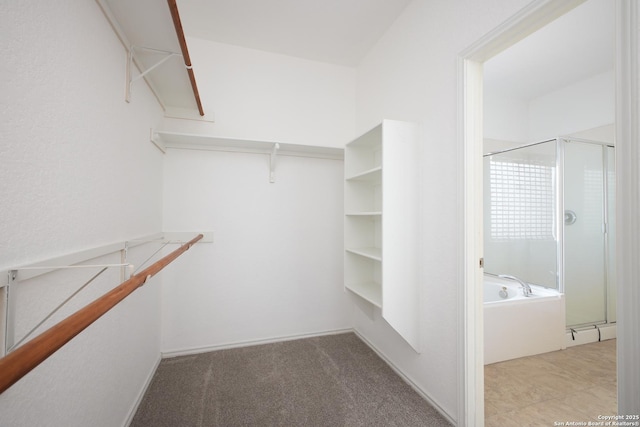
x: 380, y: 224
x: 363, y: 216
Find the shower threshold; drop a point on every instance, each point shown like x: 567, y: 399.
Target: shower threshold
x: 588, y: 334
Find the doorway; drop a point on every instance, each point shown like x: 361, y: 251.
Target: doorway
x: 536, y: 15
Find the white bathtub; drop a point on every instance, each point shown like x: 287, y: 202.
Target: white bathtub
x: 519, y: 326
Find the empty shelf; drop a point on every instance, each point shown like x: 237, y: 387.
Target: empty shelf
x: 373, y: 253
x: 369, y: 291
x: 373, y: 175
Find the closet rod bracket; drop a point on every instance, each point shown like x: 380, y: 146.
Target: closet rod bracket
x: 10, y: 311
x: 272, y: 162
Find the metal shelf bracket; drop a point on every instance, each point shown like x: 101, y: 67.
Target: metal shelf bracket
x: 131, y: 58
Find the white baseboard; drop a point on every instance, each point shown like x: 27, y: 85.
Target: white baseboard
x: 238, y: 344
x: 407, y: 379
x: 147, y: 383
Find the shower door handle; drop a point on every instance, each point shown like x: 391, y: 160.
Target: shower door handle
x: 570, y: 217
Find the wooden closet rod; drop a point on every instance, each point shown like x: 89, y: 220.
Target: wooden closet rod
x: 22, y: 360
x: 173, y: 7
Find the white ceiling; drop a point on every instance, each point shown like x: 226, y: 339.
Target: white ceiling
x: 574, y: 47
x: 578, y: 45
x: 334, y: 31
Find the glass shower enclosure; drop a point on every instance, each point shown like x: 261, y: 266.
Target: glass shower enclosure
x: 589, y: 200
x: 549, y: 220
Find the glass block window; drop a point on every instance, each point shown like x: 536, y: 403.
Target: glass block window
x: 522, y: 200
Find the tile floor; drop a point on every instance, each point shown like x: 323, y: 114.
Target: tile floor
x: 576, y: 384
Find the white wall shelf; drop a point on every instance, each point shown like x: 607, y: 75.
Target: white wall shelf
x: 381, y: 224
x: 166, y: 139
x: 368, y: 252
x: 369, y: 291
x: 147, y: 30
x: 374, y: 174
x: 372, y: 214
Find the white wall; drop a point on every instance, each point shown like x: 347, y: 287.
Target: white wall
x: 506, y: 118
x: 606, y: 133
x: 580, y: 106
x: 265, y: 96
x: 583, y: 105
x: 275, y: 267
x: 411, y: 75
x: 77, y: 172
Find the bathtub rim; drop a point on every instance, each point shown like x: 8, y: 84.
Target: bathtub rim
x: 540, y: 293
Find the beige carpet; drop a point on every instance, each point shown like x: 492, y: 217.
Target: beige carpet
x: 333, y: 380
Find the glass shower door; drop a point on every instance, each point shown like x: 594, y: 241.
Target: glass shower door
x: 585, y: 261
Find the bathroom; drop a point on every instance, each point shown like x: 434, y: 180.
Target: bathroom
x: 549, y: 189
x: 549, y: 311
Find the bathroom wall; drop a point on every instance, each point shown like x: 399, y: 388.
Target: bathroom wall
x: 604, y: 133
x: 583, y: 105
x: 77, y: 172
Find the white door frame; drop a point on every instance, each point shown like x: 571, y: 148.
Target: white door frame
x: 628, y: 204
x: 471, y: 347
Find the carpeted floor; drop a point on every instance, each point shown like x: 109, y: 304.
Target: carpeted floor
x: 333, y: 380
